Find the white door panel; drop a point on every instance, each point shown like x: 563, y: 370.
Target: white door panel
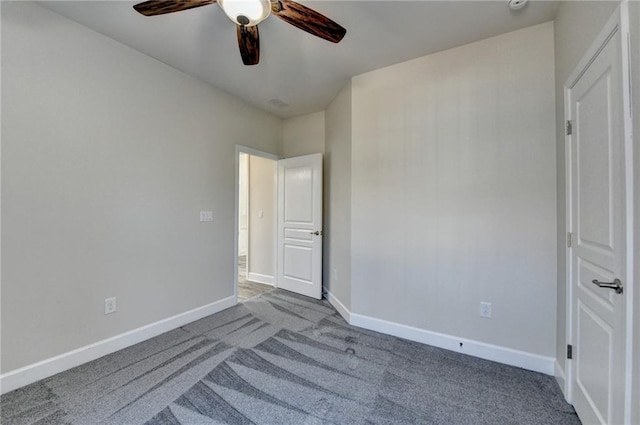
x: 298, y: 262
x: 300, y: 225
x: 298, y: 189
x: 595, y: 339
x: 598, y: 221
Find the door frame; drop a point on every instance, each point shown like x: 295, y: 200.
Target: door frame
x: 236, y: 227
x: 619, y: 21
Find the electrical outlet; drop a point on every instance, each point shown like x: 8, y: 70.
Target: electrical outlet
x: 485, y: 310
x: 335, y: 274
x: 109, y: 305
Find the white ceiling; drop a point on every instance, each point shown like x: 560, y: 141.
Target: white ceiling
x: 304, y: 71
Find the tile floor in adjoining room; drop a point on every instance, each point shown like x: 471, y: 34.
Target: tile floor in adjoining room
x: 246, y: 288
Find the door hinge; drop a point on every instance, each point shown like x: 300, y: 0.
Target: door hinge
x: 569, y: 239
x: 569, y: 128
x: 569, y: 351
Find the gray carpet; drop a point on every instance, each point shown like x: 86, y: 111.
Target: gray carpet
x: 285, y: 359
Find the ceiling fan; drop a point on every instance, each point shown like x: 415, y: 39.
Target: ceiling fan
x: 247, y: 14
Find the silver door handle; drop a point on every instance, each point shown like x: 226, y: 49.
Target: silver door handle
x: 317, y: 233
x: 616, y: 285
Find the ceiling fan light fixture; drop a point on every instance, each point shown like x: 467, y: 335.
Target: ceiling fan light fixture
x: 246, y: 12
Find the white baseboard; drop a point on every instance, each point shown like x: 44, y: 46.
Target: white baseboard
x: 260, y: 278
x: 337, y: 304
x: 49, y: 367
x: 483, y: 350
x: 496, y: 353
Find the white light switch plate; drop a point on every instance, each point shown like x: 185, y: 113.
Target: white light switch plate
x: 206, y: 215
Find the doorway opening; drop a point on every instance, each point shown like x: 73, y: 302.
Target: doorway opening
x: 257, y: 220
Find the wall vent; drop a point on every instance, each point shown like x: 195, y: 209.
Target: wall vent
x: 278, y: 102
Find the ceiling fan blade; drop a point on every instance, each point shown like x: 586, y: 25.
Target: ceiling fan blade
x: 249, y: 43
x: 160, y: 7
x: 308, y: 20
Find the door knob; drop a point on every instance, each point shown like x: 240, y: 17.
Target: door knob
x: 615, y: 285
x: 317, y: 233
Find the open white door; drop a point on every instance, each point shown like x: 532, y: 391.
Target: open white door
x: 596, y: 104
x: 300, y: 225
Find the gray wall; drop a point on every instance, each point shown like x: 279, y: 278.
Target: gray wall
x: 303, y: 135
x: 576, y: 26
x: 243, y: 204
x: 107, y: 158
x: 454, y: 192
x: 262, y: 229
x: 337, y: 163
